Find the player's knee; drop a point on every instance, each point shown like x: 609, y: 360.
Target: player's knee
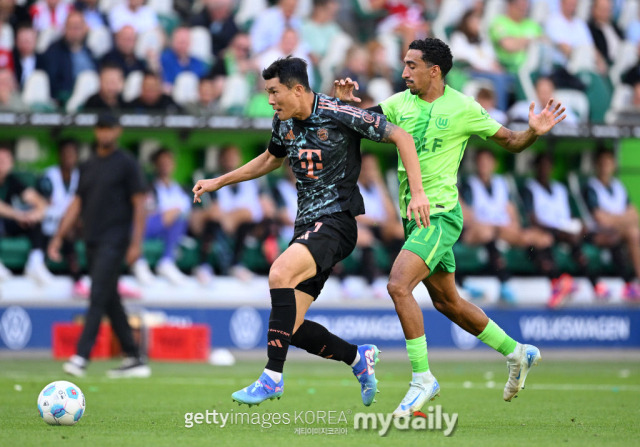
x: 397, y: 289
x: 278, y: 278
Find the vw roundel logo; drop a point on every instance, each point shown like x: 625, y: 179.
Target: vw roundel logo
x: 245, y: 327
x: 15, y: 327
x: 462, y: 339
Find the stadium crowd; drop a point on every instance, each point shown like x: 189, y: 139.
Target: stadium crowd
x: 205, y: 58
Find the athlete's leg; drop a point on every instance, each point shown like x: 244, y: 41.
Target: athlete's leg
x: 471, y: 318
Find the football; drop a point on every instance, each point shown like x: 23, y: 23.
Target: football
x: 61, y: 403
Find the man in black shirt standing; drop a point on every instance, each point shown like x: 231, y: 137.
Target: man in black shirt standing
x: 321, y: 137
x: 110, y: 199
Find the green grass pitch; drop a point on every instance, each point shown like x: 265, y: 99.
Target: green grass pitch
x: 565, y: 403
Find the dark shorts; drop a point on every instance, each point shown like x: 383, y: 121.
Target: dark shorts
x: 330, y: 239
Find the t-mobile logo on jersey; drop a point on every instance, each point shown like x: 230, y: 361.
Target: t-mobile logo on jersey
x: 310, y: 164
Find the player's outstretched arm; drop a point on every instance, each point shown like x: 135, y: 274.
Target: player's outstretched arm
x: 259, y: 166
x: 419, y: 203
x: 539, y: 124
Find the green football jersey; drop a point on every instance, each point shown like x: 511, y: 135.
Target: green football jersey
x: 440, y: 131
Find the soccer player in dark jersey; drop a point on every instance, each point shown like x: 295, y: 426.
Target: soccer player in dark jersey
x: 321, y: 138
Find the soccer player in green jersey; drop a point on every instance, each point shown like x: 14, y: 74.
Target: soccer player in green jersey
x: 441, y: 120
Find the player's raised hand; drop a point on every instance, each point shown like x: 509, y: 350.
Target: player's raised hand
x: 544, y: 121
x: 202, y: 186
x: 343, y: 90
x: 419, y: 207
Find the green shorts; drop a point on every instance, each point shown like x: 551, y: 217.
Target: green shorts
x: 434, y: 244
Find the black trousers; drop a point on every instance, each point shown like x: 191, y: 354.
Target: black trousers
x: 105, y: 262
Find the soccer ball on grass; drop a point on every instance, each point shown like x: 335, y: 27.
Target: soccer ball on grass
x: 61, y: 403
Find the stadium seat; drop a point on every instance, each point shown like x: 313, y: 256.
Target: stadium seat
x: 529, y: 67
x: 630, y: 10
x: 185, y: 88
x: 99, y: 41
x: 583, y: 58
x: 248, y: 10
x: 106, y: 5
x: 201, y: 44
x: 236, y: 93
x: 449, y: 14
x: 621, y: 99
x: 539, y: 11
x: 87, y: 84
x: 36, y: 89
x: 379, y: 89
x: 583, y: 9
x: 626, y: 58
x: 132, y: 86
x: 45, y: 38
x: 151, y: 40
x: 6, y: 37
x: 492, y: 9
x: 576, y: 101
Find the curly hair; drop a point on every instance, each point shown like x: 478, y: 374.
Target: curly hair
x: 434, y: 51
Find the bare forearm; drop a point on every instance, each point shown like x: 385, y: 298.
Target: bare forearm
x: 515, y: 141
x: 139, y: 218
x: 69, y: 218
x: 7, y: 211
x: 259, y: 166
x: 408, y: 155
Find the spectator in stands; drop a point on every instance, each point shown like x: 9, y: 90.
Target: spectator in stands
x: 512, y: 33
x: 58, y: 185
x: 109, y: 97
x: 356, y: 66
x: 21, y: 212
x: 487, y: 99
x: 177, y: 59
x: 545, y: 89
x: 232, y: 216
x: 92, y: 14
x: 24, y: 53
x: 380, y: 224
x: 612, y: 210
x: 268, y: 28
x: 469, y: 46
x: 607, y: 37
x: 236, y: 59
x: 567, y: 32
x: 289, y: 45
x: 285, y: 195
x: 10, y: 100
x: 133, y: 13
x: 491, y: 219
x: 217, y: 17
x: 123, y: 53
x: 151, y: 99
x: 49, y: 14
x: 319, y: 30
x: 403, y: 18
x: 67, y: 57
x: 633, y: 30
x: 549, y: 210
x: 632, y: 75
x: 166, y: 221
x: 210, y: 90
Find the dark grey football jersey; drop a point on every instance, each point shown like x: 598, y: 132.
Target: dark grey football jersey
x: 324, y: 153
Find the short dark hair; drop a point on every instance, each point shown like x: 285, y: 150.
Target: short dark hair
x: 602, y: 151
x: 435, y: 52
x: 68, y: 142
x: 542, y: 156
x: 110, y: 65
x: 290, y: 71
x: 159, y: 153
x: 6, y: 145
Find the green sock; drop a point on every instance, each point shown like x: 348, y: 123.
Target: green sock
x: 417, y: 350
x: 495, y: 337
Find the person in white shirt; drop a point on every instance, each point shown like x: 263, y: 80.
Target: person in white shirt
x: 269, y: 26
x: 289, y: 45
x: 24, y: 53
x: 490, y: 217
x: 166, y: 221
x: 471, y: 47
x: 133, y: 13
x: 549, y: 209
x: 613, y: 212
x: 567, y: 31
x: 49, y: 14
x: 380, y: 224
x: 545, y: 90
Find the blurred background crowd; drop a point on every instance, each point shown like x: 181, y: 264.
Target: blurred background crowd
x: 205, y: 57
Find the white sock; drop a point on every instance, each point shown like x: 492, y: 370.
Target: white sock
x: 275, y: 376
x: 355, y: 362
x: 420, y: 377
x: 36, y: 256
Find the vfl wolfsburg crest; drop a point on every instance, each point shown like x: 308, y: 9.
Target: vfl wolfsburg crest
x: 442, y: 122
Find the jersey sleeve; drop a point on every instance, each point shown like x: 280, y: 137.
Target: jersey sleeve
x: 479, y: 122
x: 390, y: 106
x: 276, y: 145
x: 367, y: 125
